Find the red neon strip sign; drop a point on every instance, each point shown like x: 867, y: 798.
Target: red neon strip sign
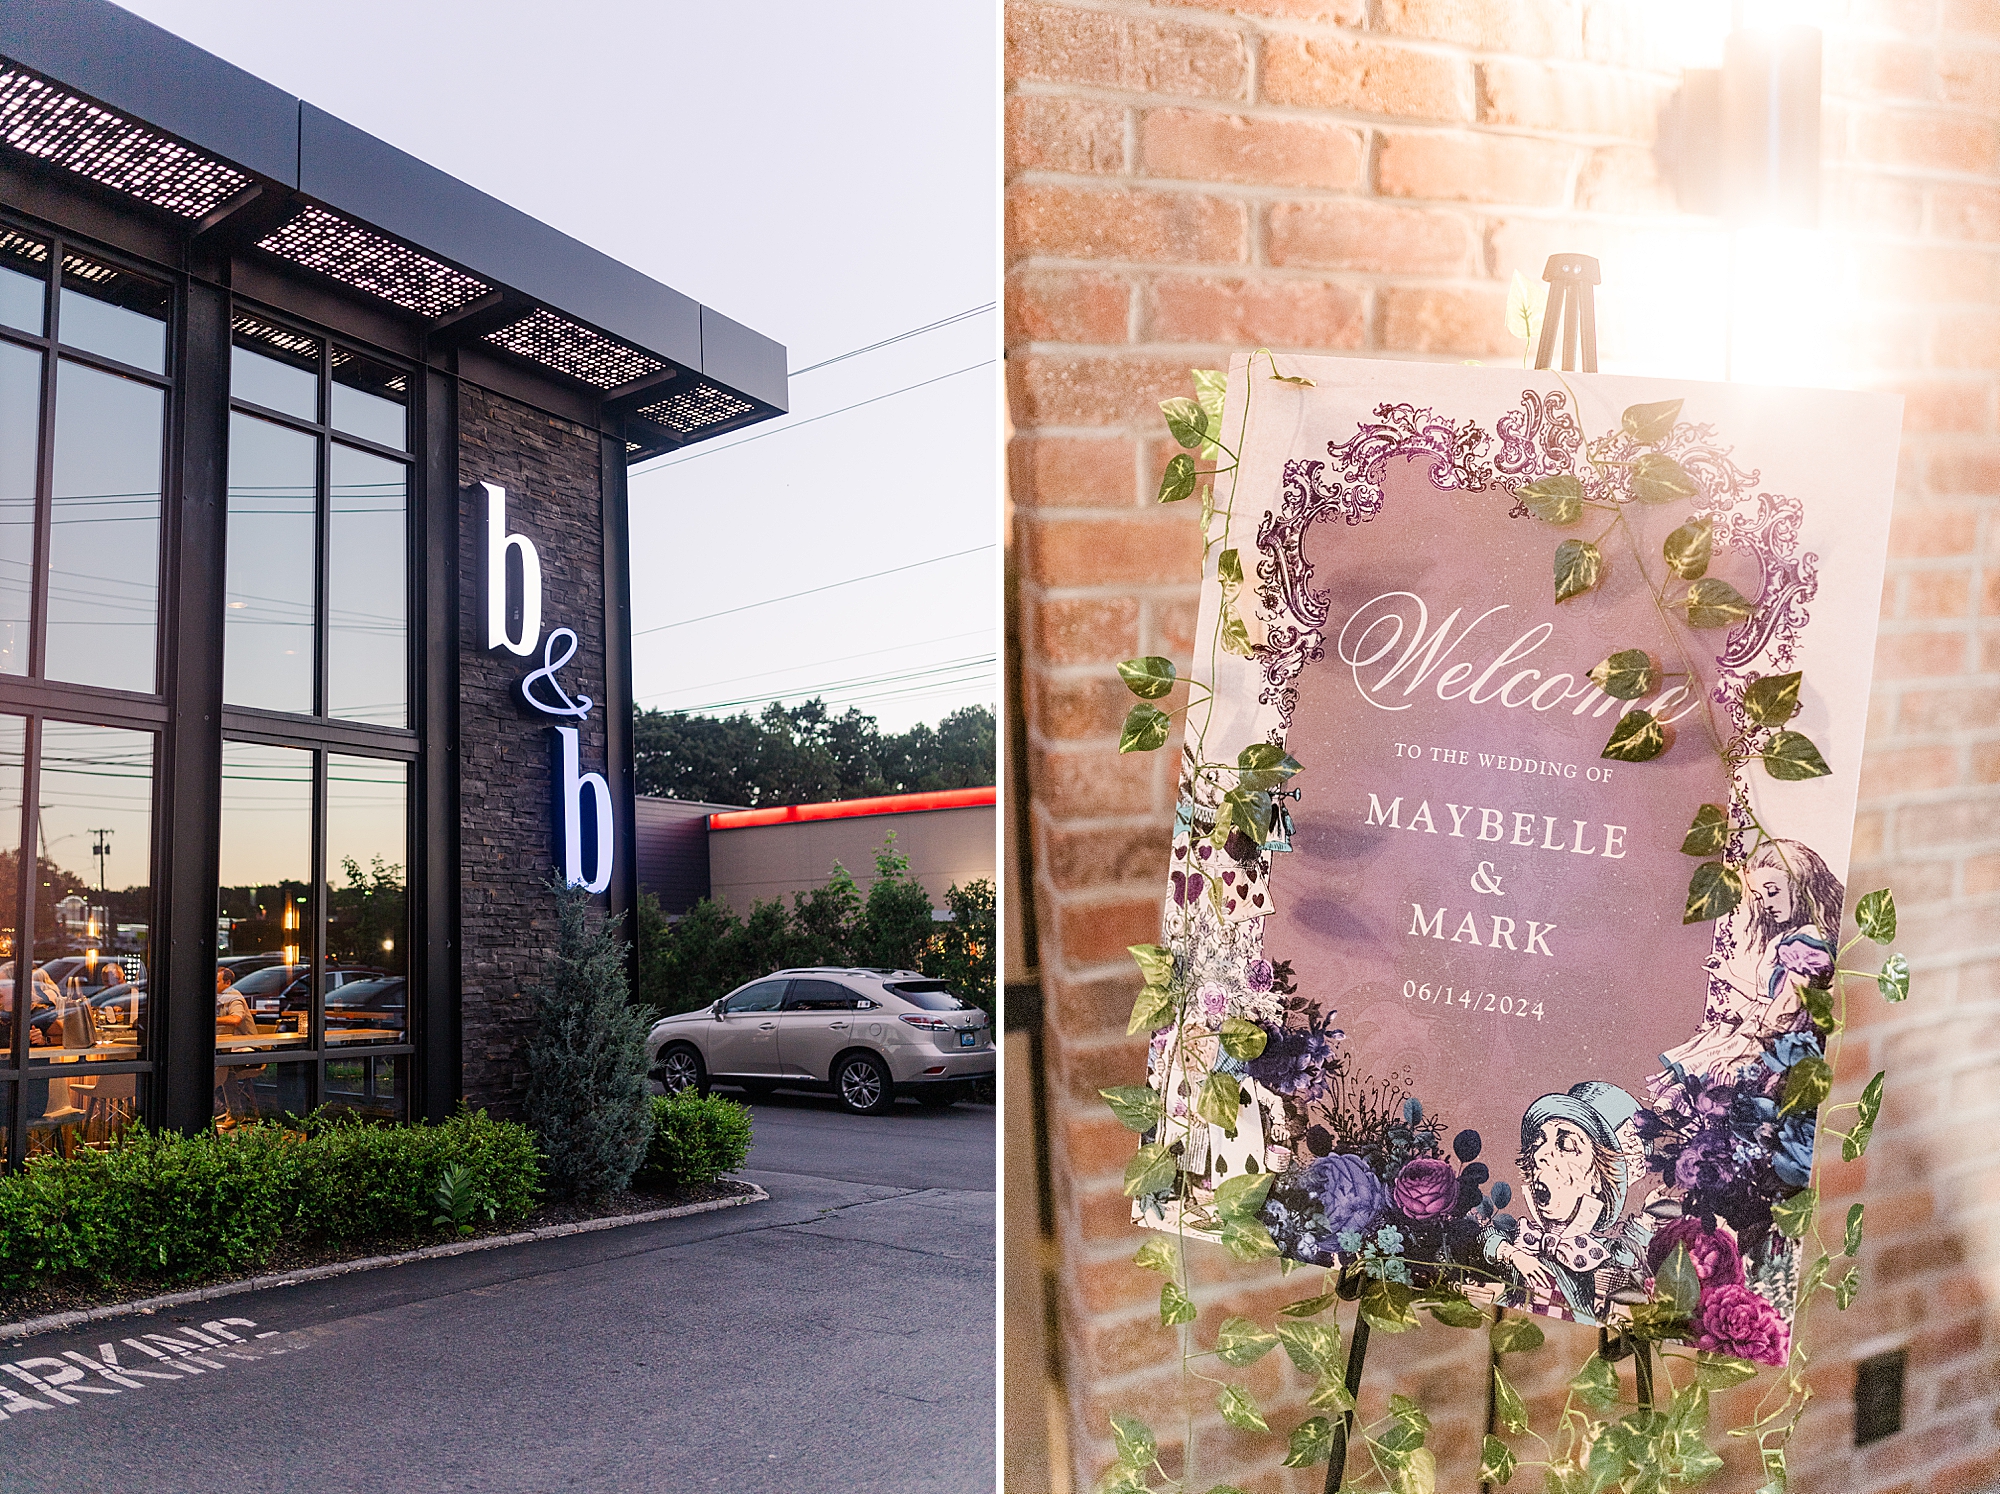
x: 845, y: 809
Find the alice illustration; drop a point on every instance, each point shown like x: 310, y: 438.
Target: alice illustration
x: 1779, y: 939
x: 1580, y: 1153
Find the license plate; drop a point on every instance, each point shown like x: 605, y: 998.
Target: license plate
x: 968, y: 1038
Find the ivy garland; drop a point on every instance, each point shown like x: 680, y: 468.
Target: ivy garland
x: 1659, y: 1438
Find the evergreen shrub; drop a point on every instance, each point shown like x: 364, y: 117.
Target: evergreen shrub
x: 696, y: 1139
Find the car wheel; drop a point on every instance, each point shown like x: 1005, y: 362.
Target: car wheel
x: 862, y: 1083
x: 681, y: 1069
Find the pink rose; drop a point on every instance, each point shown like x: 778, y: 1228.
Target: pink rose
x: 1736, y: 1321
x: 1424, y: 1188
x: 1716, y: 1259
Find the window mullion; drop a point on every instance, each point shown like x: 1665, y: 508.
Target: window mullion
x: 317, y: 907
x: 45, y: 472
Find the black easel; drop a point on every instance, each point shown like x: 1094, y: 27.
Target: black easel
x: 1572, y: 305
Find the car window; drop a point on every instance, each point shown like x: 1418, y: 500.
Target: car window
x: 930, y: 995
x: 269, y: 981
x: 765, y: 996
x: 819, y: 996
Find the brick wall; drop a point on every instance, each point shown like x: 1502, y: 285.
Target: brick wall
x: 1363, y: 176
x: 549, y: 468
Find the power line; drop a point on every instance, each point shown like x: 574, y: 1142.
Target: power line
x: 971, y: 666
x: 899, y: 337
x: 781, y: 429
x: 737, y: 679
x: 811, y: 591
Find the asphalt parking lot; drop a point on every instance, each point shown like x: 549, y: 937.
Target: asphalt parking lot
x: 838, y: 1336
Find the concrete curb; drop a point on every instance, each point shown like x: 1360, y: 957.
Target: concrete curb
x: 81, y: 1316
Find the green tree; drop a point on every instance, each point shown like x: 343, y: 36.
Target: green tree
x: 587, y: 1102
x: 965, y: 952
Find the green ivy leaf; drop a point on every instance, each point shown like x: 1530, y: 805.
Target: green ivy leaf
x: 1677, y: 1283
x: 1496, y: 1461
x: 1175, y: 1305
x: 1875, y: 916
x: 1456, y: 1311
x: 1156, y: 1255
x: 1578, y: 567
x: 1265, y: 765
x: 1596, y: 1383
x: 1774, y: 1471
x: 1179, y: 480
x: 1846, y: 1287
x: 1869, y: 1107
x: 1134, y: 1439
x: 1418, y: 1473
x: 1654, y: 1321
x: 1609, y: 1458
x: 1806, y: 1084
x: 1239, y: 1410
x: 1152, y: 1009
x: 1515, y: 1336
x: 1713, y: 892
x: 1313, y: 1347
x: 1386, y: 1306
x: 1145, y: 729
x: 1894, y: 981
x: 1220, y: 1102
x: 1225, y: 1489
x: 1524, y: 311
x: 1851, y: 1245
x: 1793, y: 1216
x: 1151, y: 1170
x: 1156, y: 964
x: 1210, y: 385
x: 1122, y: 1478
x: 1626, y: 675
x: 1714, y: 603
x: 1187, y: 422
x: 1819, y: 1006
x: 1507, y: 1407
x: 1689, y: 549
x: 1229, y: 568
x: 1720, y: 1371
x: 1239, y: 1342
x: 1330, y: 1394
x: 1243, y: 1039
x: 1248, y: 1240
x: 1709, y: 832
x: 1410, y: 1414
x: 1635, y: 738
x: 1554, y: 500
x: 1242, y: 1198
x: 1649, y: 425
x: 1308, y: 1307
x: 1137, y: 1106
x: 1774, y: 699
x: 1791, y: 756
x: 1814, y: 1278
x: 1312, y: 1442
x: 1661, y: 479
x: 1148, y: 678
x: 1698, y: 1461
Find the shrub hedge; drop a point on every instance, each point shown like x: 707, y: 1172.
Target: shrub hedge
x: 696, y: 1139
x: 158, y: 1206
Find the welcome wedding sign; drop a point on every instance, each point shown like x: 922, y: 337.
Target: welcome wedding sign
x: 1519, y: 778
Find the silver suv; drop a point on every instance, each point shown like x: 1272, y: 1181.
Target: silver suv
x: 867, y: 1035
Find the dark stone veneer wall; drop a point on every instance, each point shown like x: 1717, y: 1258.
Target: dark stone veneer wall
x: 550, y: 469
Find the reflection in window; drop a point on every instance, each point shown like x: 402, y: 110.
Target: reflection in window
x: 370, y: 400
x: 104, y: 543
x: 20, y: 442
x: 24, y: 275
x: 267, y: 619
x: 367, y: 606
x: 247, y: 1093
x: 113, y: 314
x: 13, y: 745
x: 367, y: 944
x: 263, y: 913
x: 370, y: 1087
x: 93, y: 904
x: 274, y: 367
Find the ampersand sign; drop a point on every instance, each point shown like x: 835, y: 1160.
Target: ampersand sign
x: 579, y: 707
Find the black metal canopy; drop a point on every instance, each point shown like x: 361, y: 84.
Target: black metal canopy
x: 94, y: 91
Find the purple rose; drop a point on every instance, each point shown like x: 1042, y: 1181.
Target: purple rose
x: 1708, y: 1161
x: 1802, y: 958
x: 1716, y: 1259
x: 1348, y: 1191
x: 1736, y: 1321
x: 1260, y: 975
x: 1424, y: 1188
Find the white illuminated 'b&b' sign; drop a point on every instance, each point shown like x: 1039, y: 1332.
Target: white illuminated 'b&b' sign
x: 585, y: 837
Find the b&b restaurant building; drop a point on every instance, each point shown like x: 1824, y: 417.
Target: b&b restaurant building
x: 314, y: 592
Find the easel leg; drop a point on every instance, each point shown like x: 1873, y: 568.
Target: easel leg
x: 1642, y: 1372
x: 1492, y: 1389
x: 1357, y: 1356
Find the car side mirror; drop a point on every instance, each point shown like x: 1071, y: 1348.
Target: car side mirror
x: 716, y: 1011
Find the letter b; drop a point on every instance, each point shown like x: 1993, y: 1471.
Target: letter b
x: 498, y: 543
x: 582, y: 816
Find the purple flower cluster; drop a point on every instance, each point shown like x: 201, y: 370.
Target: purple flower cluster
x: 1347, y: 1189
x: 1297, y: 1061
x: 1425, y: 1188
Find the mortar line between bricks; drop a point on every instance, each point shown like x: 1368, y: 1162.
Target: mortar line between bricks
x: 53, y: 1321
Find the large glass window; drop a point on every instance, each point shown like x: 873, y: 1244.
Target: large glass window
x: 20, y: 449
x: 306, y: 636
x: 24, y: 276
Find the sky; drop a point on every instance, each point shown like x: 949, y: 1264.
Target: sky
x: 825, y: 174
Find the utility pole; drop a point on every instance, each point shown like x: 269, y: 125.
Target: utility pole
x: 101, y: 849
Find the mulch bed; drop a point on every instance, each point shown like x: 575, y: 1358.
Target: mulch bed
x: 289, y: 1255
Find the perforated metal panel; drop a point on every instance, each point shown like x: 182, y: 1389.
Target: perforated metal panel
x: 279, y: 339
x: 44, y: 121
x: 697, y: 409
x: 559, y: 343
x: 369, y: 262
